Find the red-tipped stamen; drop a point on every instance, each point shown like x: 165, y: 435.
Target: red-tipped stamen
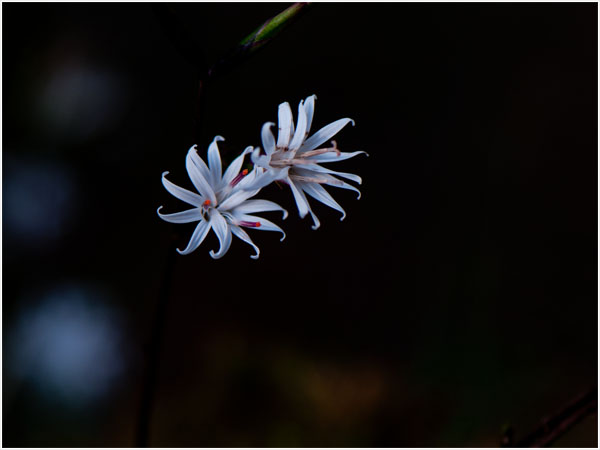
x: 244, y: 223
x: 239, y: 177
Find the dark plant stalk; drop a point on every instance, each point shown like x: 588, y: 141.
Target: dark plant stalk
x: 193, y: 53
x: 554, y: 427
x: 153, y: 351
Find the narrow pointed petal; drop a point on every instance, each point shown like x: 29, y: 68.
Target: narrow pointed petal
x: 300, y: 198
x: 235, y: 167
x: 317, y: 168
x: 191, y: 215
x: 214, y: 161
x: 343, y: 185
x: 309, y: 108
x: 333, y: 181
x: 316, y: 222
x: 235, y: 199
x: 265, y: 225
x: 244, y: 237
x: 285, y: 125
x: 268, y: 140
x: 264, y: 179
x: 300, y: 133
x: 199, y: 162
x: 182, y: 194
x: 223, y: 232
x: 198, y: 236
x: 324, y: 134
x: 252, y: 206
x: 330, y: 180
x: 195, y: 173
x: 318, y: 192
x: 333, y: 156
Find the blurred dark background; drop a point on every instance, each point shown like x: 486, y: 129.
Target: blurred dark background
x: 458, y: 297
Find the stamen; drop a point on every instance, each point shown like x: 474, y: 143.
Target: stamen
x: 244, y: 223
x: 238, y: 177
x: 320, y: 151
x: 206, y: 203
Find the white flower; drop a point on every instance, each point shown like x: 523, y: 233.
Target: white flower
x: 222, y: 203
x: 295, y: 159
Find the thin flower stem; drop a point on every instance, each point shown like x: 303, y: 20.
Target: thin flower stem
x: 153, y: 351
x: 194, y: 54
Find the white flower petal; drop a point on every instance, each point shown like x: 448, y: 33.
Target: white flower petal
x: 268, y: 140
x: 316, y: 168
x: 198, y: 236
x: 300, y: 133
x: 324, y: 134
x: 214, y: 161
x: 244, y: 237
x: 300, y: 198
x: 259, y: 160
x: 252, y: 206
x: 190, y: 215
x: 316, y: 222
x: 235, y: 199
x: 318, y: 192
x: 193, y: 164
x: 265, y: 225
x: 234, y: 168
x: 264, y: 179
x: 182, y: 194
x: 199, y: 162
x: 302, y: 203
x: 309, y: 108
x: 223, y: 232
x: 285, y: 125
x: 333, y: 156
x: 331, y: 181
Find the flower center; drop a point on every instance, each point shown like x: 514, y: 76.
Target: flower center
x: 206, y: 207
